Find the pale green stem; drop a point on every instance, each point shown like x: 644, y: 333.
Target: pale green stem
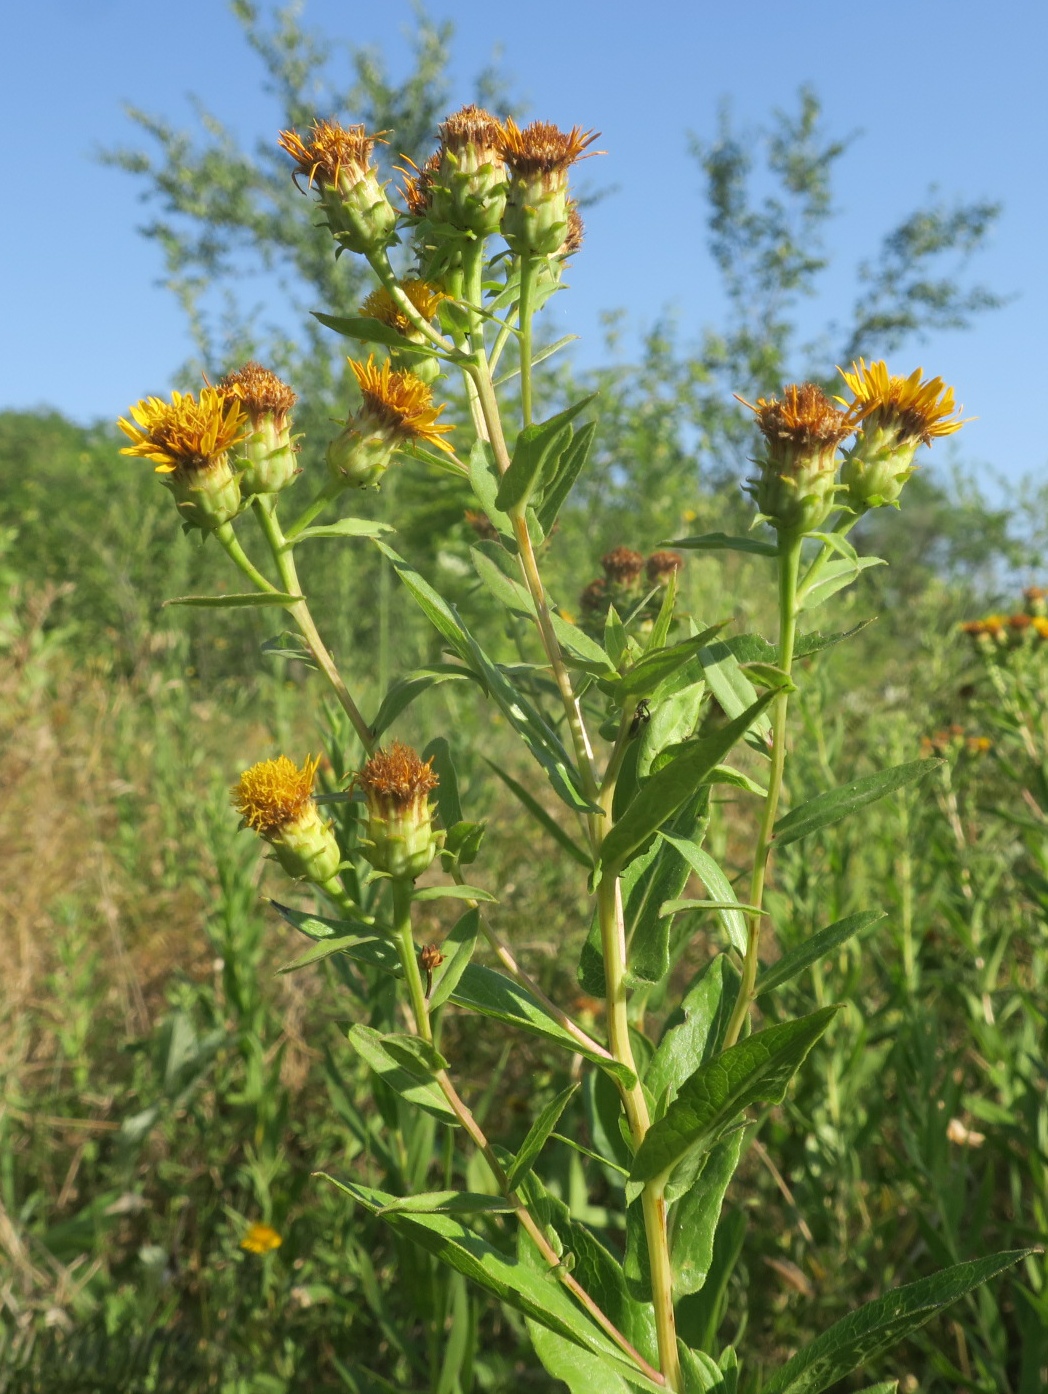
x: 231, y: 545
x: 330, y: 491
x: 842, y: 527
x: 525, y: 311
x: 402, y: 895
x: 789, y: 566
x: 265, y: 511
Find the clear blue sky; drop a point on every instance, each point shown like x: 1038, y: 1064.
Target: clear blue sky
x: 946, y: 92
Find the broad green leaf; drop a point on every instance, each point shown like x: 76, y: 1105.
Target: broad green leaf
x: 517, y: 1284
x: 570, y: 466
x: 867, y: 1333
x: 411, y: 1081
x: 674, y: 907
x: 757, y: 1070
x: 539, y: 736
x: 447, y: 1203
x: 726, y: 774
x: 700, y: 1372
x: 366, y: 948
x: 537, y: 1137
x: 721, y: 542
x: 720, y: 888
x: 581, y: 1371
x: 660, y: 872
x: 651, y: 671
x: 492, y: 994
x: 404, y: 691
x: 752, y: 648
x: 815, y: 947
x: 234, y: 602
x: 541, y: 816
x: 346, y: 527
x: 372, y: 331
x: 835, y: 804
x: 695, y: 1030
x: 733, y: 689
x: 454, y: 892
x: 834, y: 576
x: 694, y: 1218
x: 458, y: 950
x: 664, y: 792
x: 536, y: 456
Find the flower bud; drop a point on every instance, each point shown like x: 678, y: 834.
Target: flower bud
x: 276, y: 800
x: 897, y: 414
x: 467, y: 188
x: 797, y: 483
x: 537, y: 219
x: 267, y: 453
x: 338, y: 164
x: 396, y: 411
x: 401, y: 839
x: 189, y: 442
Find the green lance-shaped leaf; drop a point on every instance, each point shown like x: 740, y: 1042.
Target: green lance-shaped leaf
x: 814, y: 948
x: 733, y: 689
x: 404, y: 691
x: 536, y: 732
x: 694, y: 1032
x: 556, y: 489
x: 649, y: 673
x: 753, y: 648
x: 373, y: 331
x: 664, y: 792
x: 406, y: 1074
x: 449, y: 805
x: 536, y: 457
x: 234, y: 602
x: 663, y: 873
x: 540, y: 815
x: 519, y: 1285
x: 722, y: 542
x: 484, y: 477
x: 720, y: 889
x: 538, y: 1136
x: 694, y: 1218
x: 448, y: 1203
x: 757, y: 1070
x: 701, y: 1373
x: 457, y: 949
x: 455, y: 892
x: 880, y: 1325
x: 346, y: 527
x: 836, y: 804
x: 834, y: 576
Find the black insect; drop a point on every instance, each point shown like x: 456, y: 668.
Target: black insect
x: 641, y: 717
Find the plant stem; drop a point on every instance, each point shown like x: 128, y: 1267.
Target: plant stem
x: 841, y: 528
x: 789, y: 567
x: 525, y: 311
x: 330, y: 491
x: 231, y: 545
x: 402, y: 896
x: 265, y: 511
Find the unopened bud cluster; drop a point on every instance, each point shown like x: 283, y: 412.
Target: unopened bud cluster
x: 628, y: 582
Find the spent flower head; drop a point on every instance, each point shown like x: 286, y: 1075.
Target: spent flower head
x: 396, y: 411
x: 537, y: 220
x: 660, y: 566
x: 802, y: 430
x: 268, y: 451
x: 275, y: 799
x: 336, y: 161
x: 401, y: 840
x: 622, y: 566
x: 894, y: 415
x: 189, y: 443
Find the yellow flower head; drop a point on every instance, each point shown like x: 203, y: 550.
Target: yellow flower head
x: 261, y: 1239
x: 274, y: 793
x: 329, y: 152
x: 401, y: 403
x: 261, y: 391
x: 543, y: 148
x: 381, y: 305
x: 184, y: 433
x: 804, y: 419
x: 916, y: 410
x: 396, y: 777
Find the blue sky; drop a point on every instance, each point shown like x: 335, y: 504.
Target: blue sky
x: 950, y: 93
